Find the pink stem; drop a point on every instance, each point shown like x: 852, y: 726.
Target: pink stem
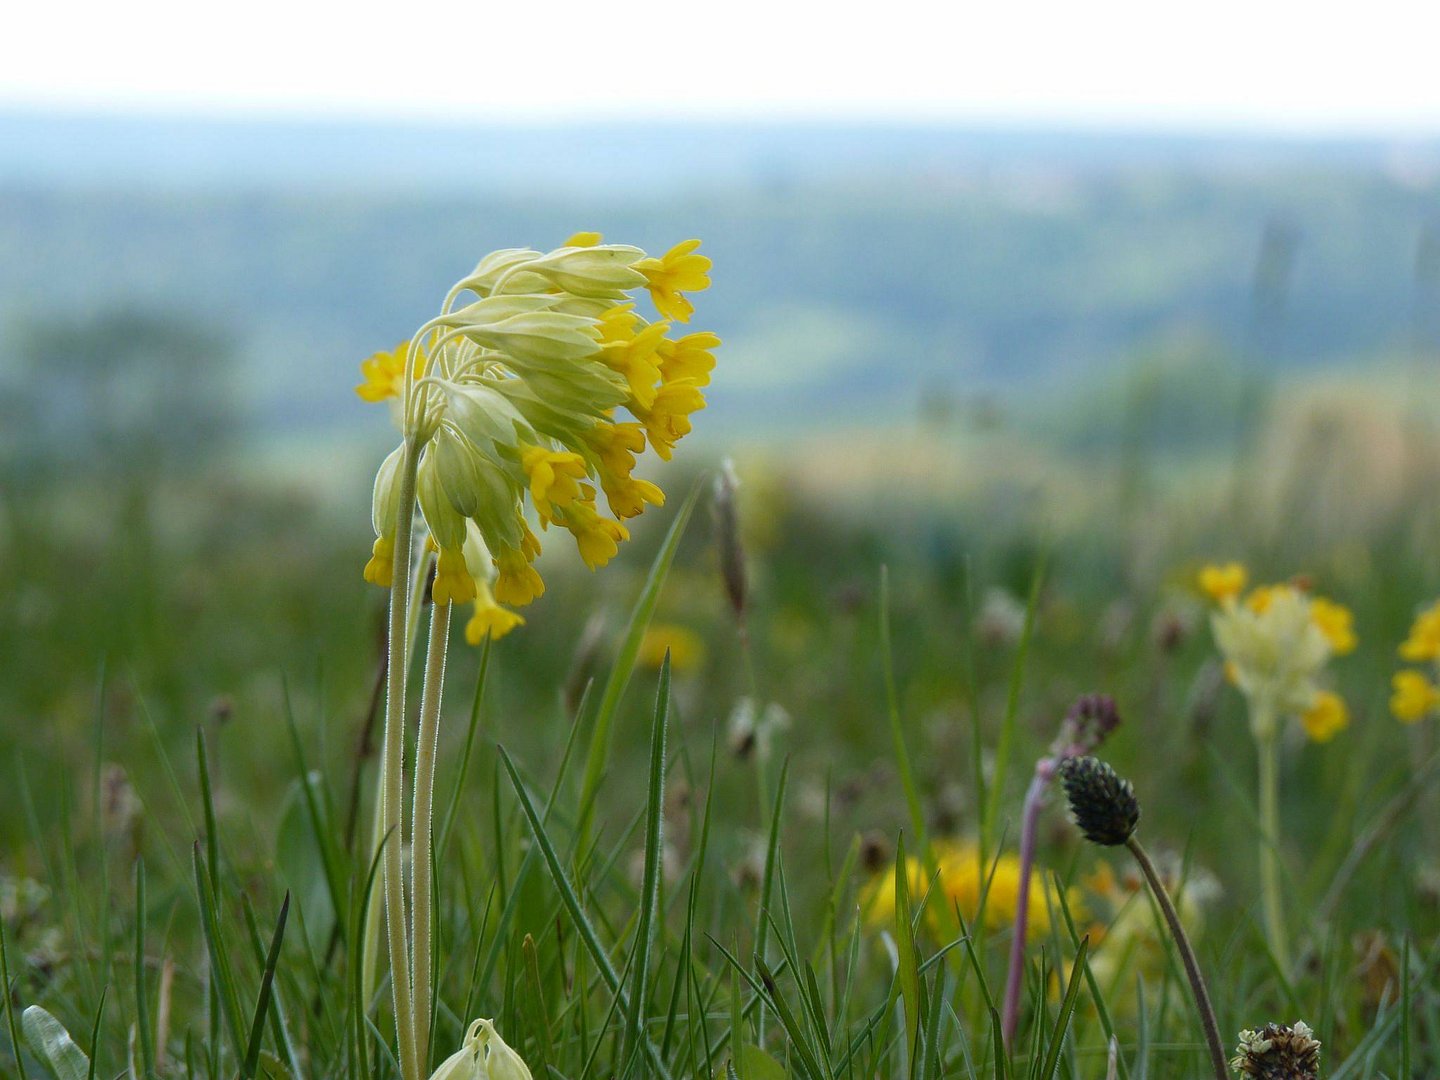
x: 1029, y: 819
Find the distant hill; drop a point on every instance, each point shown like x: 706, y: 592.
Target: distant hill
x: 858, y: 268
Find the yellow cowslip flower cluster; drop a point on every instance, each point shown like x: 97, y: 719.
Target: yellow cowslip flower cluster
x: 512, y: 397
x: 1276, y: 642
x: 1415, y: 694
x: 961, y: 883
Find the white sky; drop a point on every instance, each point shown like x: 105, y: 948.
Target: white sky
x: 1154, y: 63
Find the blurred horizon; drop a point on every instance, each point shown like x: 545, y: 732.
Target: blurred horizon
x: 875, y: 272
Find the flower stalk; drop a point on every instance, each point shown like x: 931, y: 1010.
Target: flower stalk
x: 422, y: 815
x: 1088, y: 723
x: 1272, y: 896
x: 1106, y: 810
x: 392, y: 766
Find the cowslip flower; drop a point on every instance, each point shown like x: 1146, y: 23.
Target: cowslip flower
x: 1416, y: 694
x: 484, y: 1055
x: 512, y: 396
x: 1277, y: 642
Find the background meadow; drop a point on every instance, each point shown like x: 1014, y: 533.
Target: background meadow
x: 993, y: 400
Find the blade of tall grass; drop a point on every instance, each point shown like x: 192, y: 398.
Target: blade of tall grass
x: 654, y: 843
x: 95, y: 1032
x: 892, y: 702
x: 262, y: 1004
x: 7, y: 993
x: 221, y: 973
x: 1067, y: 1010
x: 443, y: 837
x: 582, y: 922
x: 1005, y: 745
x: 142, y: 994
x: 598, y: 757
x: 906, y: 969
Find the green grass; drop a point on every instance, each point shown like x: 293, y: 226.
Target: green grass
x: 626, y: 886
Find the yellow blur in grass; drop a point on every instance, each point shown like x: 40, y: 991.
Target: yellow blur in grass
x: 960, y: 883
x: 687, y: 648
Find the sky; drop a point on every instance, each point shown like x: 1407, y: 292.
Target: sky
x: 1227, y: 64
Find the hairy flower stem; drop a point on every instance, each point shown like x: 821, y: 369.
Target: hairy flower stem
x: 1187, y: 955
x: 1029, y: 820
x: 1270, y: 849
x: 420, y: 823
x: 393, y: 765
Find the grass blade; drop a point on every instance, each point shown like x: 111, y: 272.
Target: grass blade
x: 262, y: 1005
x: 599, y: 753
x: 1067, y: 1010
x: 654, y: 842
x: 583, y: 925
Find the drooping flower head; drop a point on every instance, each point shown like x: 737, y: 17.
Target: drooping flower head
x: 1277, y: 641
x: 511, y: 397
x: 484, y: 1055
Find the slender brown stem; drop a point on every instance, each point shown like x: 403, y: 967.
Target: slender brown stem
x: 1187, y: 954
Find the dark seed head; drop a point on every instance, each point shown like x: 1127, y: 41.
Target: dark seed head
x: 1103, y: 805
x: 1278, y: 1052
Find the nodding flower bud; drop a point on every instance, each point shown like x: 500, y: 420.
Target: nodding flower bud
x: 727, y: 537
x: 1103, y: 805
x: 1087, y: 725
x: 484, y: 1056
x: 1278, y: 1052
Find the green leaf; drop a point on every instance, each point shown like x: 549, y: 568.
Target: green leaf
x: 262, y: 1006
x: 1067, y: 1010
x: 53, y: 1045
x: 302, y: 866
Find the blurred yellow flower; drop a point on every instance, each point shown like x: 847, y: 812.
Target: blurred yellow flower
x: 1222, y: 581
x: 1326, y: 718
x: 1423, y: 644
x: 961, y: 883
x: 1130, y: 940
x: 383, y: 374
x: 687, y: 648
x: 1414, y: 697
x: 1336, y: 623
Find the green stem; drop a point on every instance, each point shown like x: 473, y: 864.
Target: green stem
x: 422, y: 815
x: 392, y: 764
x: 1270, y: 848
x: 1187, y: 956
x: 374, y: 912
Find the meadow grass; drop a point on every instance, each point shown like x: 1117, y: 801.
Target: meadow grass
x: 631, y: 878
